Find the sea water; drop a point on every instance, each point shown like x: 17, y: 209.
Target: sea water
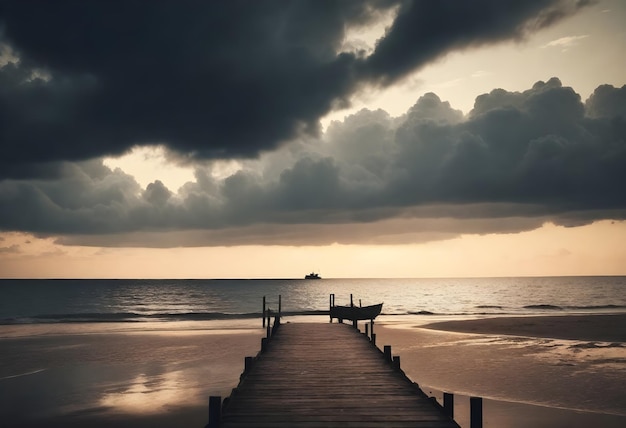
x: 150, y: 300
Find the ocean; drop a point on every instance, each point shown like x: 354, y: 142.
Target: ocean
x: 136, y: 300
x: 144, y: 352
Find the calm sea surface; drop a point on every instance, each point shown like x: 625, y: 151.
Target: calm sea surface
x: 88, y: 300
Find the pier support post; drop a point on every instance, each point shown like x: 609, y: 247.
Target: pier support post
x: 387, y: 352
x: 247, y: 364
x: 264, y: 343
x: 215, y: 411
x: 476, y: 412
x: 280, y: 306
x: 355, y: 324
x: 367, y: 330
x: 396, y: 362
x: 448, y: 404
x: 373, y: 339
x: 269, y: 327
x: 263, y: 311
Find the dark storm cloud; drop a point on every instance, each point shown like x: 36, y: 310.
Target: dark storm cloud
x: 518, y: 160
x: 426, y: 30
x: 210, y: 79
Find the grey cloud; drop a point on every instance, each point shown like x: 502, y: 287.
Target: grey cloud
x: 516, y: 161
x: 211, y: 79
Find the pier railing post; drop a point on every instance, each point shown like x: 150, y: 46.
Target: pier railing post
x: 387, y: 352
x: 280, y: 306
x: 247, y: 364
x: 476, y: 412
x: 448, y: 404
x: 263, y: 311
x: 367, y: 330
x: 215, y: 411
x: 396, y: 362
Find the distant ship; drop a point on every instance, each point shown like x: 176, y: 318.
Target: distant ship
x: 312, y: 275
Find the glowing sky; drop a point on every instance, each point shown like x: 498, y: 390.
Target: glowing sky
x: 354, y: 138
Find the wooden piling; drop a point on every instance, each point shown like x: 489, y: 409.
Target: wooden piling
x: 263, y: 311
x: 396, y: 362
x: 215, y: 411
x: 448, y: 404
x: 476, y: 412
x: 280, y: 306
x: 247, y: 364
x: 387, y: 352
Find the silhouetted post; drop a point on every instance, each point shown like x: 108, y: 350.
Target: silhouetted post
x: 448, y: 404
x: 360, y: 303
x: 476, y: 412
x: 263, y: 311
x: 373, y: 339
x: 264, y: 343
x: 355, y: 324
x: 396, y: 362
x: 367, y: 330
x: 276, y: 324
x: 215, y: 411
x: 387, y: 352
x: 351, y: 304
x: 280, y: 306
x: 247, y: 364
x: 372, y: 326
x: 269, y: 328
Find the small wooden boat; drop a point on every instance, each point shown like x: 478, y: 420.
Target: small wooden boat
x: 356, y: 312
x: 313, y: 275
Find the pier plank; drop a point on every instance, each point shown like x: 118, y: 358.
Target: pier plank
x: 327, y: 375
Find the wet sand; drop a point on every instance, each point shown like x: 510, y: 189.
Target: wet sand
x: 124, y: 379
x: 604, y: 328
x: 553, y: 371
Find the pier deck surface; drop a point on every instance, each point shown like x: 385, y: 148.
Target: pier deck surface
x: 327, y: 375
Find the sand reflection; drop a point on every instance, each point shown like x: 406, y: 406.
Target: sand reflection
x: 149, y: 393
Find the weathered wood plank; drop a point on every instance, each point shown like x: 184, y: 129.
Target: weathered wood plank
x: 327, y: 375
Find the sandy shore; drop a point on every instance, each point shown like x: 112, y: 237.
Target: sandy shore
x: 545, y: 371
x: 605, y: 328
x: 88, y: 376
x: 123, y: 379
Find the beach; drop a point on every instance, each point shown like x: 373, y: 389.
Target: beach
x: 531, y: 371
x: 535, y: 371
x: 129, y: 378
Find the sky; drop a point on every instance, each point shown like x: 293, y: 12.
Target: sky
x: 269, y: 139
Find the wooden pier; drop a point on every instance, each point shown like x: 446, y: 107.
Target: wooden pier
x: 325, y: 375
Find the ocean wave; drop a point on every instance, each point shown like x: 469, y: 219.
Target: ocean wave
x: 597, y: 307
x: 138, y: 317
x: 544, y: 307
